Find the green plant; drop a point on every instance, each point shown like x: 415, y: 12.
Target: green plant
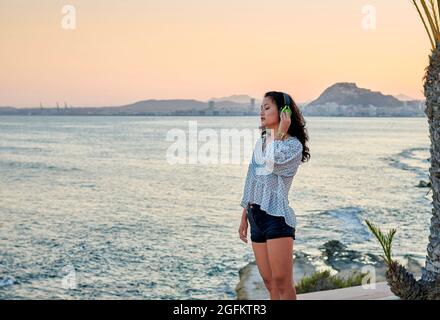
x: 322, y: 280
x: 385, y: 241
x: 432, y: 16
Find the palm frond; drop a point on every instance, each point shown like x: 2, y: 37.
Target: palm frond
x: 431, y: 2
x: 424, y: 24
x: 384, y: 240
x: 438, y: 7
x: 429, y: 16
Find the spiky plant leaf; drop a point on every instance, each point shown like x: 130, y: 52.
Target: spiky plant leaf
x: 385, y: 241
x: 435, y: 31
x: 431, y: 2
x: 429, y: 16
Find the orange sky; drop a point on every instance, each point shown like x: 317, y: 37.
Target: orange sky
x: 123, y: 51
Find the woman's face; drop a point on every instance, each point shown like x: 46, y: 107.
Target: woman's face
x: 269, y: 113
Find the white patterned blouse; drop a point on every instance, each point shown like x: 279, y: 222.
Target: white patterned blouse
x: 270, y: 175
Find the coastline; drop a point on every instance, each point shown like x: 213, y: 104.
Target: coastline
x: 341, y: 262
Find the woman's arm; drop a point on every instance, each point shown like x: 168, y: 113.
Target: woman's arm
x: 283, y: 156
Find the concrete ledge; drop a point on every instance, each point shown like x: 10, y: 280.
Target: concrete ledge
x: 381, y: 292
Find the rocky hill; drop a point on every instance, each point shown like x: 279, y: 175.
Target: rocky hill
x: 348, y: 93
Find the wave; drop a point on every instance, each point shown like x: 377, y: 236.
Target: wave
x: 35, y: 166
x: 19, y: 149
x: 413, y: 159
x: 349, y: 220
x: 6, y: 282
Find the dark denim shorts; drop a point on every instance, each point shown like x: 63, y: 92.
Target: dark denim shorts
x: 265, y: 226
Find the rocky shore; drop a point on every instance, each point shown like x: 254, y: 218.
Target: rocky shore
x: 335, y: 257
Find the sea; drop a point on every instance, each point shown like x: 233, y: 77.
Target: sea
x: 97, y: 207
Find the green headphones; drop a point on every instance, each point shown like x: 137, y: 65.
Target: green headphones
x: 286, y: 107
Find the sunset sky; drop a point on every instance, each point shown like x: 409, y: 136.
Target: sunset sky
x: 123, y: 51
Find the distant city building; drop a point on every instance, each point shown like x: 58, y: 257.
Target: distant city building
x: 252, y: 106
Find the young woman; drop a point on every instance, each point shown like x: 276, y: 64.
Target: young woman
x: 275, y: 160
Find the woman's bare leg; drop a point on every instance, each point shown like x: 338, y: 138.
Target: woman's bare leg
x: 262, y: 260
x: 280, y: 252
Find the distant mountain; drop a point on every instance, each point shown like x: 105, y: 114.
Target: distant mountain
x: 237, y: 98
x: 340, y: 99
x: 145, y: 107
x: 154, y: 105
x: 182, y: 105
x: 167, y: 106
x: 403, y: 97
x: 7, y: 108
x: 348, y: 93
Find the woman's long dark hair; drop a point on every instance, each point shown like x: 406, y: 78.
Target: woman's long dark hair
x: 298, y: 124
